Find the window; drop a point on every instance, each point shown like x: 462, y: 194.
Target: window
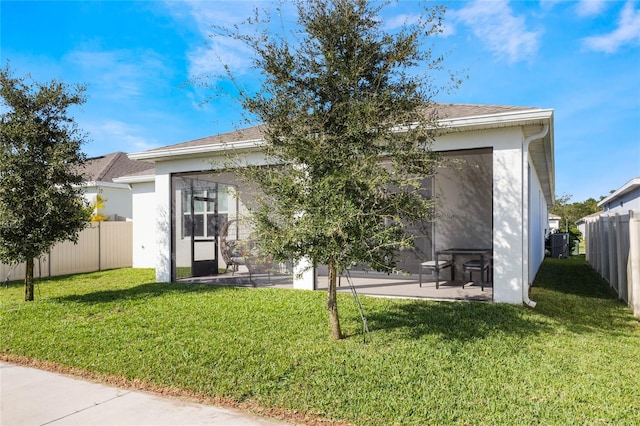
x: 203, y: 220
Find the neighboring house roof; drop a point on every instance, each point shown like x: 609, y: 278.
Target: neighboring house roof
x: 554, y: 216
x: 110, y: 166
x: 588, y: 217
x: 632, y: 185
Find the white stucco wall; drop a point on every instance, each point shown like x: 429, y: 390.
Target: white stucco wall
x: 145, y: 246
x: 118, y: 198
x: 538, y: 224
x: 163, y: 225
x: 508, y: 223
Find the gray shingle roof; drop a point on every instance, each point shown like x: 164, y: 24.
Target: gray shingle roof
x: 109, y: 166
x: 443, y: 111
x: 472, y: 110
x: 251, y: 133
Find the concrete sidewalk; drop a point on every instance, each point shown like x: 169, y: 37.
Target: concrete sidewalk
x: 34, y: 397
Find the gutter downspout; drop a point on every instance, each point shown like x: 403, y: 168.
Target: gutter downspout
x: 525, y: 213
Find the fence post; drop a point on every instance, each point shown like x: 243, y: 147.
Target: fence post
x: 602, y: 251
x: 613, y: 234
x: 622, y: 250
x: 633, y: 266
x: 588, y: 241
x: 99, y: 246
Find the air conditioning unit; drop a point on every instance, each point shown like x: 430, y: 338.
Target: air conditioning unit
x: 559, y: 245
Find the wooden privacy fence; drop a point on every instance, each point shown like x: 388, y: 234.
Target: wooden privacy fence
x: 102, y: 245
x: 613, y: 249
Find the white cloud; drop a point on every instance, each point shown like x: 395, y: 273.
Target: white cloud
x: 549, y: 4
x: 503, y: 33
x: 118, y: 74
x: 447, y: 30
x: 404, y: 19
x: 118, y: 136
x: 220, y: 52
x: 399, y: 21
x: 627, y: 32
x: 211, y: 58
x: 590, y: 7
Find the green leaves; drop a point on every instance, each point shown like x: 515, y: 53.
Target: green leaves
x: 348, y: 183
x: 40, y: 198
x: 343, y: 103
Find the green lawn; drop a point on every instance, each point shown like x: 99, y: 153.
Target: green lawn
x: 574, y: 359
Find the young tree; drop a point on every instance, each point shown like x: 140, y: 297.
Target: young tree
x: 40, y: 200
x: 96, y: 206
x: 571, y: 212
x: 348, y: 119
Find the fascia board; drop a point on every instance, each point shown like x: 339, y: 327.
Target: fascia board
x: 100, y: 184
x: 551, y: 159
x: 195, y: 151
x: 488, y: 121
x: 135, y: 179
x: 465, y: 123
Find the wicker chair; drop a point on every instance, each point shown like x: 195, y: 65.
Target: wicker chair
x: 231, y: 250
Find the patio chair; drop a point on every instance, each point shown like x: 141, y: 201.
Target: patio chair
x: 480, y: 265
x: 231, y: 250
x: 435, y: 266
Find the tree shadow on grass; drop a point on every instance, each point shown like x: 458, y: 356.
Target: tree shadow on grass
x: 37, y: 280
x: 457, y: 320
x: 142, y: 291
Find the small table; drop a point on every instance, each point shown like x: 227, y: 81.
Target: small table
x: 453, y: 252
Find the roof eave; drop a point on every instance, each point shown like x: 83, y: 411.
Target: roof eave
x: 135, y: 179
x: 490, y: 121
x: 487, y: 121
x: 197, y: 151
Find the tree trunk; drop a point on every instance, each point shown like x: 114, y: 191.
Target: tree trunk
x: 332, y: 303
x: 28, y: 282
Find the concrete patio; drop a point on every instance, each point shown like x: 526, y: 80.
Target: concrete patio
x: 402, y: 286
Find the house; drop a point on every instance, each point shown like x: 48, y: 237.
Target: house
x: 625, y: 198
x: 620, y: 201
x: 612, y: 239
x: 581, y: 223
x: 554, y: 222
x: 143, y: 200
x: 100, y: 174
x: 493, y: 191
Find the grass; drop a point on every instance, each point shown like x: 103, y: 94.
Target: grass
x: 574, y: 359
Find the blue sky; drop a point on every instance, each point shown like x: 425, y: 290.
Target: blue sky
x: 138, y: 58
